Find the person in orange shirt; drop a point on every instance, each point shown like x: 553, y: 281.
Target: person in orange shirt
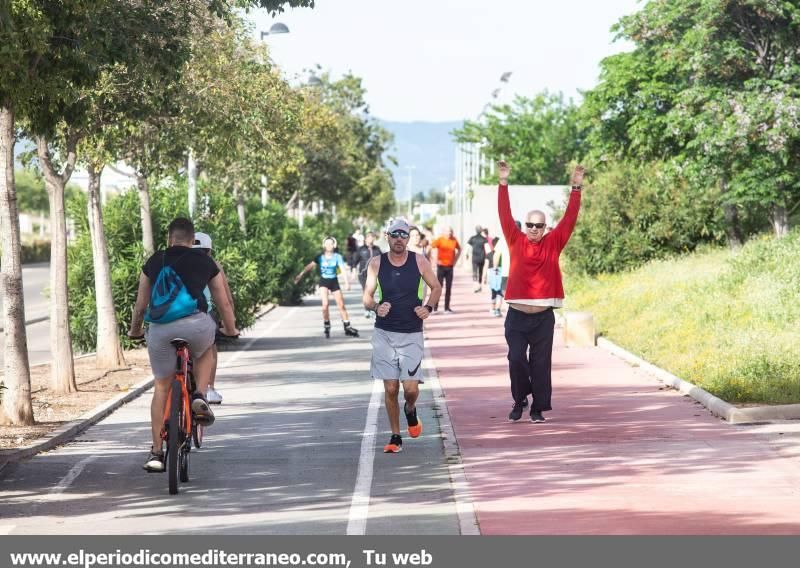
x: 447, y: 250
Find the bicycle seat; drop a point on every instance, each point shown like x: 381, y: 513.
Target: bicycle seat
x: 179, y: 342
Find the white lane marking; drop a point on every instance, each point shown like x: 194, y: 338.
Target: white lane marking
x: 6, y: 529
x: 465, y: 509
x: 73, y: 473
x: 359, y: 506
x: 260, y: 335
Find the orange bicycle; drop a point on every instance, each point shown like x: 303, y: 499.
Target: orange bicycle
x: 180, y: 426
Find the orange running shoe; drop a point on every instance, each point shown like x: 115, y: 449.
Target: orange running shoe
x: 414, y: 423
x: 395, y: 445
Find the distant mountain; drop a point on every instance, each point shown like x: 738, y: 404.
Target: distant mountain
x: 429, y: 147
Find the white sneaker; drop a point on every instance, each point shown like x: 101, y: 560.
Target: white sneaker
x: 213, y: 397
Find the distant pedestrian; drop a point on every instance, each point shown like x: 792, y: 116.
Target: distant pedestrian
x: 534, y: 290
x: 478, y: 244
x: 448, y: 249
x: 365, y: 254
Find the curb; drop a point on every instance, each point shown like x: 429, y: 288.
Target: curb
x: 467, y: 519
x: 725, y: 410
x: 31, y: 321
x: 70, y: 430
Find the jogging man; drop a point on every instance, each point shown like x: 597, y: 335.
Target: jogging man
x: 534, y: 290
x: 202, y: 242
x: 365, y: 253
x: 330, y: 263
x: 170, y: 298
x: 448, y: 250
x: 397, y: 348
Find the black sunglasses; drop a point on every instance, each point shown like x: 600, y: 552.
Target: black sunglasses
x: 398, y: 235
x: 537, y: 225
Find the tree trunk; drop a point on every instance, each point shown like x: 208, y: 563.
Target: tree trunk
x: 780, y: 220
x: 144, y: 210
x: 191, y: 170
x: 733, y: 228
x: 17, y: 407
x: 240, y: 208
x: 109, y: 350
x: 62, y: 368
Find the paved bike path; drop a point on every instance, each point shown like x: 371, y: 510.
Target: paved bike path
x: 282, y: 458
x: 619, y: 454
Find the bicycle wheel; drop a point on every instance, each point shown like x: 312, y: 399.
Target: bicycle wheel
x: 197, y: 434
x: 184, y: 462
x: 173, y: 436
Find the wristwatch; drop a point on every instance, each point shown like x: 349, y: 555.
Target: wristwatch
x: 428, y: 307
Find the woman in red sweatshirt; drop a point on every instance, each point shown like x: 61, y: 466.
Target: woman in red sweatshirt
x: 534, y: 289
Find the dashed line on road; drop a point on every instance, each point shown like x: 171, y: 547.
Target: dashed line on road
x: 73, y: 473
x: 359, y: 506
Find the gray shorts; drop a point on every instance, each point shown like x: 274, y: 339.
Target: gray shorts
x: 397, y: 356
x: 197, y: 329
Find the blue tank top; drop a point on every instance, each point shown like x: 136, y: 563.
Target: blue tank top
x: 403, y: 288
x: 328, y: 266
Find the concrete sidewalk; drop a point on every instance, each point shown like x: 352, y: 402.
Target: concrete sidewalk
x: 619, y: 454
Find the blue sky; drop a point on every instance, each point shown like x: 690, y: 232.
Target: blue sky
x: 439, y: 60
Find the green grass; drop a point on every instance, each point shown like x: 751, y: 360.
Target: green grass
x: 725, y: 321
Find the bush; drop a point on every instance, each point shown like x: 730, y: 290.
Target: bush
x: 260, y: 266
x: 723, y: 320
x: 36, y: 251
x: 634, y: 213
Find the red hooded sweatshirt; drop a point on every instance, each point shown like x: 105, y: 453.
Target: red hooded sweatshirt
x: 535, y: 276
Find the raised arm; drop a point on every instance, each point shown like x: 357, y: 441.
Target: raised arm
x: 566, y: 225
x: 510, y: 230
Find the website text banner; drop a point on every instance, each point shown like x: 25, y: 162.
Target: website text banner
x: 393, y: 552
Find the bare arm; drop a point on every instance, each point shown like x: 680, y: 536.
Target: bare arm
x: 217, y: 287
x: 380, y: 308
x: 310, y: 266
x: 142, y: 300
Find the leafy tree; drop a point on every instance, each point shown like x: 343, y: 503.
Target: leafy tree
x: 711, y: 84
x: 540, y: 133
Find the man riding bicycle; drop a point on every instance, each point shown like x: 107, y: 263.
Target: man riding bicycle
x: 171, y: 299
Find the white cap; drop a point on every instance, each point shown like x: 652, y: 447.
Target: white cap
x: 398, y: 224
x: 202, y: 241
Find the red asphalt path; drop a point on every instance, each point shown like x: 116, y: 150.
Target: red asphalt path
x: 619, y: 453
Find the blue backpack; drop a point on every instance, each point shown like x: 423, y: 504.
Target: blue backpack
x: 169, y: 298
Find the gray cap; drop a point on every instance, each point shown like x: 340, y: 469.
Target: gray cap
x: 398, y: 224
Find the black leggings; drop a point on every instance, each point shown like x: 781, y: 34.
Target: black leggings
x: 477, y: 270
x: 445, y: 275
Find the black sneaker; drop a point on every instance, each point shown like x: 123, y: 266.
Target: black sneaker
x: 201, y: 410
x: 395, y: 445
x: 536, y: 416
x: 516, y: 412
x: 154, y: 463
